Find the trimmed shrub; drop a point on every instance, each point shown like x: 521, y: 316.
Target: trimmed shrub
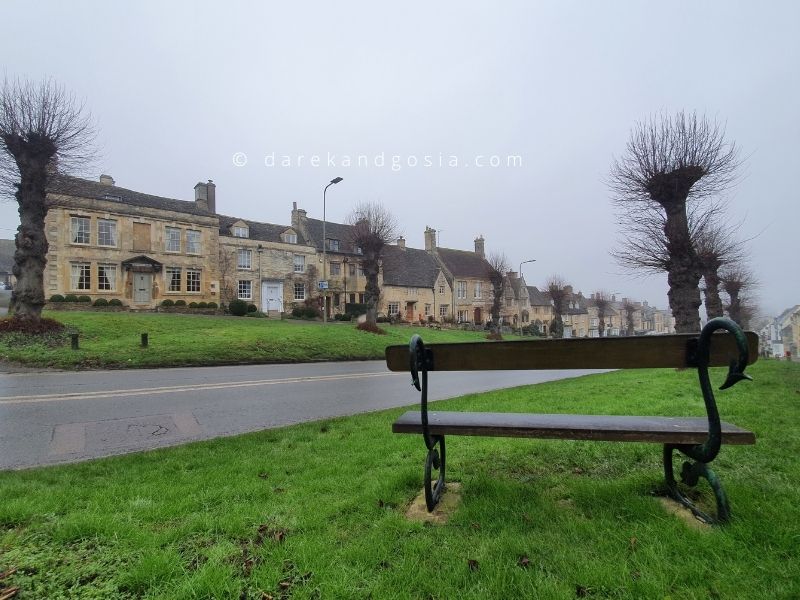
x: 238, y: 307
x: 115, y: 302
x: 309, y: 312
x: 251, y: 308
x: 84, y: 299
x: 70, y: 298
x: 100, y: 302
x: 383, y: 319
x: 202, y: 305
x: 257, y: 315
x: 193, y: 305
x: 180, y: 302
x: 355, y: 309
x: 56, y: 298
x: 297, y: 311
x: 212, y: 305
x: 166, y: 302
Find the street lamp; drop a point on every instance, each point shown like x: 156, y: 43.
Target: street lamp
x: 324, y: 252
x: 520, y: 280
x: 261, y: 283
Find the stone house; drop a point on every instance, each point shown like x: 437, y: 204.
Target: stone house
x: 414, y: 285
x: 343, y: 269
x: 516, y: 309
x: 110, y: 242
x: 576, y: 314
x: 541, y: 309
x: 269, y: 265
x: 467, y: 274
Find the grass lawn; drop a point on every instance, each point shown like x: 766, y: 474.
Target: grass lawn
x: 317, y: 510
x: 112, y: 340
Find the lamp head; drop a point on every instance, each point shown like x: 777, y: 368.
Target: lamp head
x: 336, y: 180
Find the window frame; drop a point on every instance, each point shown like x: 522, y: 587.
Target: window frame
x: 110, y: 281
x: 241, y: 232
x: 299, y: 285
x: 81, y: 276
x: 169, y: 239
x: 393, y: 308
x: 301, y: 261
x: 193, y: 286
x: 114, y: 233
x: 170, y: 274
x: 244, y: 286
x: 190, y: 243
x: 75, y: 231
x: 244, y: 265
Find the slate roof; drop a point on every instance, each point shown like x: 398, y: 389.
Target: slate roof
x: 7, y: 249
x: 409, y: 267
x: 463, y: 263
x: 84, y: 188
x: 264, y: 232
x: 537, y: 297
x: 333, y: 231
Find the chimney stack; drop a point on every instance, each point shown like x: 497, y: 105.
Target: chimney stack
x: 401, y: 242
x: 106, y: 180
x: 430, y: 239
x: 201, y: 195
x: 212, y: 196
x: 479, y: 247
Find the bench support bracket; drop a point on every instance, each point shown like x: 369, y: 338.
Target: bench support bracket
x: 691, y: 472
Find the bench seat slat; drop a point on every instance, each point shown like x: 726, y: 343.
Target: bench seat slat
x: 620, y: 428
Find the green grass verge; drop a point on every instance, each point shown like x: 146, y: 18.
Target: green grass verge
x: 317, y: 510
x: 112, y: 340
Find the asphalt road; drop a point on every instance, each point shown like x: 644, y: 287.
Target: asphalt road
x: 56, y: 417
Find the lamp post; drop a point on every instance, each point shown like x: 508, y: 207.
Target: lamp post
x: 345, y: 263
x: 325, y: 252
x: 520, y: 280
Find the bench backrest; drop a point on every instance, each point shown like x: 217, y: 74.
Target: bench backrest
x: 657, y: 351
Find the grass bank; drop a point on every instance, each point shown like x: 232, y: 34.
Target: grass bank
x: 317, y: 510
x: 112, y: 340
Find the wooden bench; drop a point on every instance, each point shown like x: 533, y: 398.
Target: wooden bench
x: 697, y: 438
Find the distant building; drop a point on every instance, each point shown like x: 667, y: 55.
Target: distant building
x: 7, y: 249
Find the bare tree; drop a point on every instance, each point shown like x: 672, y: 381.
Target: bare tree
x: 498, y: 266
x: 372, y: 228
x: 737, y: 281
x: 603, y: 303
x: 629, y: 308
x: 717, y: 247
x: 670, y: 161
x: 557, y: 289
x: 42, y: 128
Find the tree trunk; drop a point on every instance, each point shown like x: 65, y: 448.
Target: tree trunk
x: 601, y: 327
x: 683, y: 274
x: 372, y: 291
x: 27, y: 299
x: 735, y: 308
x: 711, y: 290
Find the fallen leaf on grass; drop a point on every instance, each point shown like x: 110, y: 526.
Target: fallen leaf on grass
x: 524, y: 562
x: 5, y: 574
x: 7, y: 593
x: 263, y: 475
x: 633, y: 543
x: 473, y: 564
x: 475, y: 525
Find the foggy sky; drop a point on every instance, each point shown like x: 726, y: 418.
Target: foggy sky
x: 177, y: 89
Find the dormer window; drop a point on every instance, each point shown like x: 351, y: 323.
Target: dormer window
x: 359, y: 250
x: 289, y: 237
x: 333, y: 245
x: 241, y: 231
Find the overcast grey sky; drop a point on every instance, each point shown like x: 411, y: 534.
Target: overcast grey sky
x: 178, y: 89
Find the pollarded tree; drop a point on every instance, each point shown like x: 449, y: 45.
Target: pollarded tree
x: 737, y: 281
x: 670, y: 161
x: 372, y: 228
x: 43, y: 130
x: 557, y: 290
x: 603, y: 303
x: 629, y: 308
x: 498, y: 266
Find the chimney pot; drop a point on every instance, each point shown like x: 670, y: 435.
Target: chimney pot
x: 401, y: 242
x: 479, y: 246
x: 106, y: 180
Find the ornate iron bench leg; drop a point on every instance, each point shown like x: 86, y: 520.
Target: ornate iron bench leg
x: 690, y: 475
x: 435, y: 460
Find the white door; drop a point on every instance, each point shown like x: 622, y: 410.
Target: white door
x: 271, y: 296
x: 142, y: 288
